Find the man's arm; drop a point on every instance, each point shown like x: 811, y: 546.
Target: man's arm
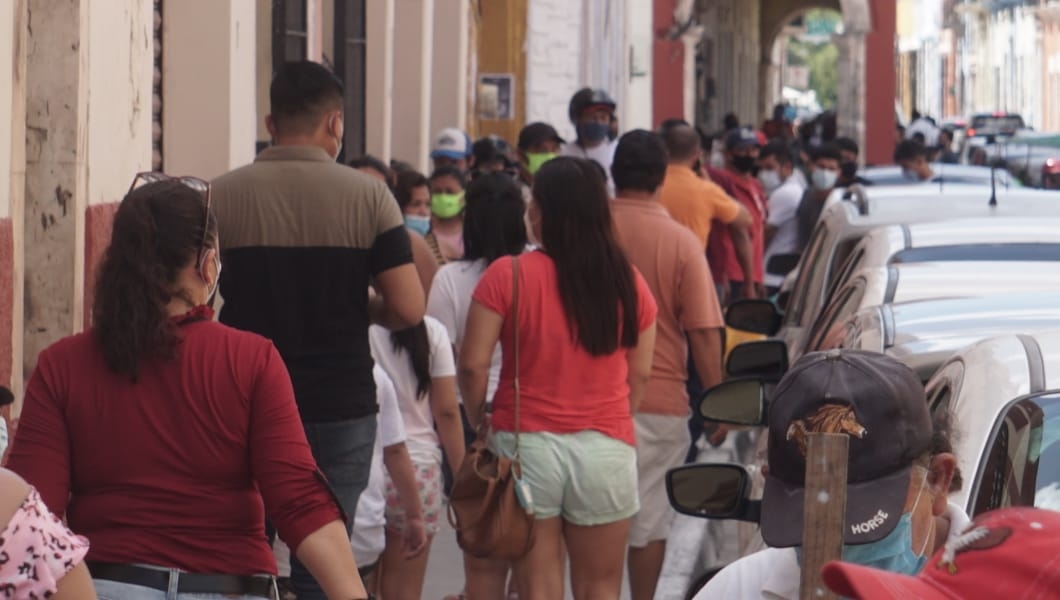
x: 741, y: 244
x: 400, y: 303
x: 705, y: 346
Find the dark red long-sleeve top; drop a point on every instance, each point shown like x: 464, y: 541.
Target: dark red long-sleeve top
x: 177, y: 469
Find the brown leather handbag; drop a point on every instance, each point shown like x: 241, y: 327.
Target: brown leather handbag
x: 490, y: 507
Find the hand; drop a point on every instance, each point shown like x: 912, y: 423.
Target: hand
x: 760, y: 290
x: 415, y: 537
x: 716, y: 432
x: 723, y: 293
x: 748, y: 290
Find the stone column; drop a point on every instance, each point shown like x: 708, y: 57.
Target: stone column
x: 88, y: 131
x: 850, y: 86
x: 209, y: 75
x: 379, y: 70
x: 13, y: 175
x: 449, y: 68
x: 411, y: 117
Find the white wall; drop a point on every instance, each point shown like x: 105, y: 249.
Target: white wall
x: 553, y: 61
x: 636, y: 111
x: 120, y: 74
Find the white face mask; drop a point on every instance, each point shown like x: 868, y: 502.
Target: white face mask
x: 823, y: 179
x: 770, y: 180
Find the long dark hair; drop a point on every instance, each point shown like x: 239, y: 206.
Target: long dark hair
x: 157, y: 232
x: 415, y: 343
x: 493, y: 218
x: 596, y: 283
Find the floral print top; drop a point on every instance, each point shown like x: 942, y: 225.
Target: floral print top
x: 36, y: 551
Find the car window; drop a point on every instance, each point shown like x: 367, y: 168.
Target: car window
x: 828, y: 331
x: 1021, y: 466
x: 808, y: 264
x: 841, y: 275
x: 987, y: 124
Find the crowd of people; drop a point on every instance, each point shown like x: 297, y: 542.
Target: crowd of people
x: 369, y: 324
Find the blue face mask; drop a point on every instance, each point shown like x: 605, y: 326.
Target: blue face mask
x: 421, y: 225
x: 893, y: 553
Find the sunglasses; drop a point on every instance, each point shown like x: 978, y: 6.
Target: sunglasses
x: 199, y: 185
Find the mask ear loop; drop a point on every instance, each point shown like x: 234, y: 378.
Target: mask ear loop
x: 927, y: 538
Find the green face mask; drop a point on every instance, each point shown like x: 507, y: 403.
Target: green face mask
x: 534, y: 160
x: 445, y: 206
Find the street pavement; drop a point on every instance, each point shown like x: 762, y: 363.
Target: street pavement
x: 445, y: 569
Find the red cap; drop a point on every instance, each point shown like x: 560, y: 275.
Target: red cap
x: 1007, y: 553
x: 1051, y: 165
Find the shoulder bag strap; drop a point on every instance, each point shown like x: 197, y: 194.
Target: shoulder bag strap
x: 515, y: 345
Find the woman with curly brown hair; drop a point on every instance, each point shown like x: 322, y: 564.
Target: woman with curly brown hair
x: 165, y: 437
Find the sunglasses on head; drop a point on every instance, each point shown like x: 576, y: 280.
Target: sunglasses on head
x: 199, y: 185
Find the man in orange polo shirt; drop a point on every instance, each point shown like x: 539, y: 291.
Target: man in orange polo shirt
x: 694, y: 201
x: 673, y: 263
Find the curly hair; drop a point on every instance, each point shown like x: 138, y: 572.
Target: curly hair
x: 156, y: 233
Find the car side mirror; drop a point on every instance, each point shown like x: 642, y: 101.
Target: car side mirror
x: 782, y: 264
x: 765, y: 358
x: 754, y: 316
x: 737, y: 401
x: 712, y: 491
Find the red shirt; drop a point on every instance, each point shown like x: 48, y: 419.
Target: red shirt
x: 724, y: 264
x: 563, y: 388
x: 167, y: 471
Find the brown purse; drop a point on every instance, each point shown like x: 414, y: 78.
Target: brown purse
x: 486, y: 505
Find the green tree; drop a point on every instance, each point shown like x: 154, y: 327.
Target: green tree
x: 824, y: 66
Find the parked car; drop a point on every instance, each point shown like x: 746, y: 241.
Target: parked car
x: 926, y: 281
x: 945, y: 174
x: 844, y: 222
x: 925, y: 334
x: 998, y: 124
x: 1004, y: 397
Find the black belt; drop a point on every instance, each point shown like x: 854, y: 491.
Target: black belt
x: 187, y: 583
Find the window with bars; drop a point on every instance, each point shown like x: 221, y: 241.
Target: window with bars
x: 351, y: 45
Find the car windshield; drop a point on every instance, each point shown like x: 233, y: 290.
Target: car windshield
x: 988, y: 124
x: 1022, y: 465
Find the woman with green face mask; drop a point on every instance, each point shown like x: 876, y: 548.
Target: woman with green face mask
x: 538, y: 144
x: 446, y: 237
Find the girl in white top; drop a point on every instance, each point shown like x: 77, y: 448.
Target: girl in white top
x: 493, y: 228
x: 420, y: 363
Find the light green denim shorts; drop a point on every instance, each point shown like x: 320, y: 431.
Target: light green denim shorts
x: 587, y: 477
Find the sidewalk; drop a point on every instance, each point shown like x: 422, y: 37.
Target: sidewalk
x: 445, y: 569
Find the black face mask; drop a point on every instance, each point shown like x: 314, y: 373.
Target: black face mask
x: 743, y: 164
x: 849, y: 170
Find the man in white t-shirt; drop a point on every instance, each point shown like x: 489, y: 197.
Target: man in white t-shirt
x: 591, y: 111
x: 777, y: 174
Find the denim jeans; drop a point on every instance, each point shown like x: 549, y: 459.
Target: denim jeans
x: 343, y: 451
x: 113, y: 590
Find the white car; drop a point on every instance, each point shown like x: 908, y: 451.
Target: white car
x: 924, y: 334
x: 1004, y: 397
x: 926, y: 281
x: 844, y: 222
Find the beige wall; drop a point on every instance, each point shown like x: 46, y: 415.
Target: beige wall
x: 209, y: 72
